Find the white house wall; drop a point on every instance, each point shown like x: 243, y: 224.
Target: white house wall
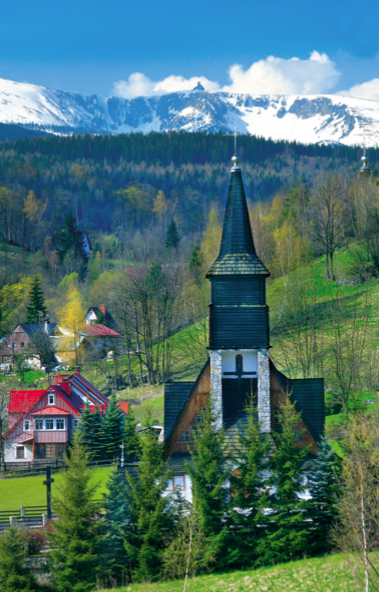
x: 10, y: 452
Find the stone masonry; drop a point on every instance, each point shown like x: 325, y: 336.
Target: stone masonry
x: 264, y: 407
x: 216, y: 385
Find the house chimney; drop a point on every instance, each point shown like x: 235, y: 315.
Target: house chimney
x: 103, y: 309
x: 47, y: 327
x: 77, y: 370
x: 57, y: 379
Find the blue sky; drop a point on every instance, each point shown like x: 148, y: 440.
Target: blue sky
x: 95, y: 47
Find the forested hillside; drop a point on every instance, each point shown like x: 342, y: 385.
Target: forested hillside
x: 153, y: 207
x: 86, y: 173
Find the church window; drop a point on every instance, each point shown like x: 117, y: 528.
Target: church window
x: 185, y: 437
x: 239, y: 363
x: 176, y: 483
x: 195, y: 425
x: 179, y: 483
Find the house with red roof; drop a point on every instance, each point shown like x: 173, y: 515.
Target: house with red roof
x: 94, y: 340
x: 42, y: 422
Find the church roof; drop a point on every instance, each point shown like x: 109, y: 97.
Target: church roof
x: 308, y: 396
x: 237, y: 252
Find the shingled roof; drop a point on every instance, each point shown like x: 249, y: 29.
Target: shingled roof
x: 237, y: 252
x: 309, y: 399
x: 176, y: 395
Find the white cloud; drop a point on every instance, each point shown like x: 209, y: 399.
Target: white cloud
x: 367, y: 90
x: 277, y: 76
x: 139, y: 85
x: 273, y: 75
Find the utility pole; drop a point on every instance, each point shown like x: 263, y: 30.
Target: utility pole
x: 122, y: 454
x: 48, y: 483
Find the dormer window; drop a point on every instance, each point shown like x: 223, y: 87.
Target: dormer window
x: 51, y: 399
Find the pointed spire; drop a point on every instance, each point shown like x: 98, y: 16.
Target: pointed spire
x: 237, y: 252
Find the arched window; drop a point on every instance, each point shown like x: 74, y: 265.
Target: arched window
x: 239, y: 364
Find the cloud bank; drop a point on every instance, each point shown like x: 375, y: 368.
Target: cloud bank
x: 367, y: 90
x: 271, y: 76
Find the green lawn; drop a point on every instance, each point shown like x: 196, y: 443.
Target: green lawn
x: 30, y: 491
x: 319, y: 574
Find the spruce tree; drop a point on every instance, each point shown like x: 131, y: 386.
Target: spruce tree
x: 36, y: 303
x: 247, y: 483
x: 113, y: 429
x: 210, y: 472
x: 76, y: 538
x: 116, y: 562
x: 150, y: 517
x: 196, y: 258
x: 287, y: 529
x: 323, y: 487
x: 91, y: 428
x: 14, y: 577
x: 132, y: 441
x: 172, y: 236
x: 70, y: 247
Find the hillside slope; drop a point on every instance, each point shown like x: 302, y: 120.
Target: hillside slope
x: 320, y: 574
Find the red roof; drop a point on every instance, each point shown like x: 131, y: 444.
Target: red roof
x: 23, y: 401
x: 100, y: 331
x: 124, y: 406
x: 51, y: 410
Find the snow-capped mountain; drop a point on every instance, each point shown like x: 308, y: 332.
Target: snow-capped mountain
x: 307, y: 119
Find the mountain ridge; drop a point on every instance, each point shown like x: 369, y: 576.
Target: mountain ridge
x: 307, y: 119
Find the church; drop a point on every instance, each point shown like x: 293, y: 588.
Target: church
x: 239, y: 361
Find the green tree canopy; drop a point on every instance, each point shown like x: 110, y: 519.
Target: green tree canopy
x: 76, y: 538
x: 36, y: 306
x: 172, y: 236
x: 70, y: 247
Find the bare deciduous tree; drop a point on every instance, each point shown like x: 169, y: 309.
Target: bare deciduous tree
x: 357, y: 531
x: 328, y: 217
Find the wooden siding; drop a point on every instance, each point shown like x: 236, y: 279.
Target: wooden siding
x: 194, y: 406
x: 240, y: 327
x: 18, y: 434
x: 51, y: 436
x: 239, y: 291
x: 17, y: 337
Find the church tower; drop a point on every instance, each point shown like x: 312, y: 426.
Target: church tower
x: 238, y: 364
x: 238, y: 316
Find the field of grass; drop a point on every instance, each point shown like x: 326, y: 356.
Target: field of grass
x: 320, y: 574
x: 30, y: 491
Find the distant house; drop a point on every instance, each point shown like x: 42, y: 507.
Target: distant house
x: 42, y: 422
x: 100, y: 315
x: 19, y: 340
x: 93, y: 340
